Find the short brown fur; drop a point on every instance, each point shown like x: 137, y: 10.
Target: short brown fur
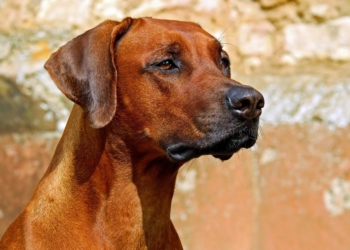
x: 111, y: 180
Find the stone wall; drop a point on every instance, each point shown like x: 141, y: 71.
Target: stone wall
x: 291, y: 191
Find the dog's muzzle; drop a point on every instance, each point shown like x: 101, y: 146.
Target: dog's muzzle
x: 239, y: 130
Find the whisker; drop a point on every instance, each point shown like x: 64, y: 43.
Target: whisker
x: 235, y: 37
x: 230, y: 45
x: 221, y: 35
x: 141, y: 137
x: 189, y: 166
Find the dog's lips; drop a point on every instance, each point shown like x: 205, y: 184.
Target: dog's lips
x: 223, y: 149
x: 181, y: 152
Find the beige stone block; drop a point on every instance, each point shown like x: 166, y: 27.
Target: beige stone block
x: 256, y: 39
x: 330, y: 40
x: 271, y: 3
x: 67, y: 12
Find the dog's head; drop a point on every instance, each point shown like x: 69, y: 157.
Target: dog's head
x: 167, y: 82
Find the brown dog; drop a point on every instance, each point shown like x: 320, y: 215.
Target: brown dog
x: 151, y: 94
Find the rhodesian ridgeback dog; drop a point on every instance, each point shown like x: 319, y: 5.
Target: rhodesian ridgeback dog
x: 149, y: 96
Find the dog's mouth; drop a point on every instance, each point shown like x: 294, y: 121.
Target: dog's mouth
x: 222, y: 149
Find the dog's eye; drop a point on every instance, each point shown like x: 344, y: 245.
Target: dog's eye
x: 225, y: 62
x: 167, y: 65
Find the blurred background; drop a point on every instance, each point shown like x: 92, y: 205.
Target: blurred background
x: 291, y: 191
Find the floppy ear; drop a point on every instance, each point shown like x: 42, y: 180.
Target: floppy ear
x: 85, y: 72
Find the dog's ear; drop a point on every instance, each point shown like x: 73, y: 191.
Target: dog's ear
x: 84, y: 70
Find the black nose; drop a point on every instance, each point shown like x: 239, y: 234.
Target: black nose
x: 245, y: 101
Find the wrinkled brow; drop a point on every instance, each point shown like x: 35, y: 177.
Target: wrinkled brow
x: 173, y: 48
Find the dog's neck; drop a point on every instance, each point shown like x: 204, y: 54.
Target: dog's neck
x: 128, y: 189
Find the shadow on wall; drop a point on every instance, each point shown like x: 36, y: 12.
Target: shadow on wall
x: 20, y: 113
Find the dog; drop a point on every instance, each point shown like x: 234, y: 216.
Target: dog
x: 149, y: 96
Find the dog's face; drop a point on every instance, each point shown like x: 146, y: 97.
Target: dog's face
x: 174, y: 85
x: 166, y: 84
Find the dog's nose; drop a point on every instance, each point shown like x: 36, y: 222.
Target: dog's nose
x: 245, y: 101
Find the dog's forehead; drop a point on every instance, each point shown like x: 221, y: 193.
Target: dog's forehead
x: 149, y: 31
x: 171, y: 24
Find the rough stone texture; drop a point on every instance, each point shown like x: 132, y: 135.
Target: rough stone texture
x: 289, y: 192
x: 272, y: 3
x: 22, y: 113
x: 320, y: 42
x: 337, y: 196
x: 316, y: 11
x: 256, y: 39
x: 304, y: 98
